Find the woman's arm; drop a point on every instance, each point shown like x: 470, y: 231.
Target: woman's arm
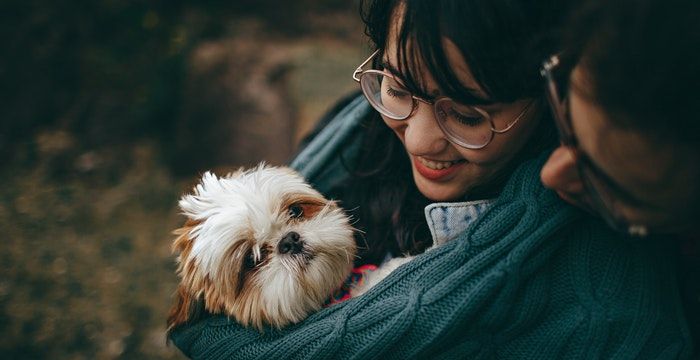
x: 406, y: 314
x: 526, y: 280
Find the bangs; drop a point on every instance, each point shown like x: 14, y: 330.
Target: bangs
x: 502, y: 42
x: 420, y: 52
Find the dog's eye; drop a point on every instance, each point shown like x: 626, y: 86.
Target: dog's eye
x: 249, y: 261
x: 296, y: 211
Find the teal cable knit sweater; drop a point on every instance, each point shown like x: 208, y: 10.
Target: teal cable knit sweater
x: 532, y: 278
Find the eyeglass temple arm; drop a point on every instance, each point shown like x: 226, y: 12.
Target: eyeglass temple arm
x: 356, y: 73
x: 515, y: 121
x: 548, y: 65
x: 552, y: 94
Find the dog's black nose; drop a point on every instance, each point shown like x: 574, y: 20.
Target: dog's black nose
x: 290, y: 243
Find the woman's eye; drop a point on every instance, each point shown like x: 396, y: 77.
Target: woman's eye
x: 395, y: 93
x: 468, y: 120
x: 295, y: 211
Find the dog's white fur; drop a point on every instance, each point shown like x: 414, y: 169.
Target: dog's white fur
x: 232, y: 259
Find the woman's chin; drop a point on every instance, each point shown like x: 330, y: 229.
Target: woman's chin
x: 441, y: 192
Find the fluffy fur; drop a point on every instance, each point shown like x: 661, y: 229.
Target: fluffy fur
x: 261, y: 246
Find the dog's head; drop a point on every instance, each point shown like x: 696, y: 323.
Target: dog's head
x: 259, y: 245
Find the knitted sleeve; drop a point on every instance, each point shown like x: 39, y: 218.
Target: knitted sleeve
x: 530, y: 278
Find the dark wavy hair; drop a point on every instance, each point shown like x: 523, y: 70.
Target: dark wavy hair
x: 504, y: 43
x: 642, y: 60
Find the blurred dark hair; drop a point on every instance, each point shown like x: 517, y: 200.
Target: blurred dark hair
x: 503, y: 42
x: 641, y: 59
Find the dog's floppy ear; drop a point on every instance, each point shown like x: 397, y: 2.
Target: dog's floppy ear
x: 187, y: 306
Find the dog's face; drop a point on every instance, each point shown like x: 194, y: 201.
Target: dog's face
x: 260, y: 245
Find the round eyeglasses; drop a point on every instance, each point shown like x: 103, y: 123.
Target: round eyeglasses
x: 467, y: 126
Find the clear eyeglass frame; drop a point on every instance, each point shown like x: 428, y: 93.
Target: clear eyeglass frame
x: 439, y: 105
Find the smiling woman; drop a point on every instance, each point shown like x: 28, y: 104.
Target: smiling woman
x: 512, y: 271
x: 456, y: 112
x: 468, y: 127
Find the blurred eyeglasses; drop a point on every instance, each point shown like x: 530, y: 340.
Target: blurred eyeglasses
x: 604, y: 195
x: 464, y: 125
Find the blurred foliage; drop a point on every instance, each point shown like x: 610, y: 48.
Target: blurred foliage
x: 85, y: 263
x: 112, y: 71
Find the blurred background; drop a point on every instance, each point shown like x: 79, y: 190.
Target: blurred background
x: 109, y: 110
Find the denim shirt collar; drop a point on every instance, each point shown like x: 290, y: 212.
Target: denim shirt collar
x: 447, y: 220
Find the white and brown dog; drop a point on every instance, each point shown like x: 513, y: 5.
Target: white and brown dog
x: 261, y: 246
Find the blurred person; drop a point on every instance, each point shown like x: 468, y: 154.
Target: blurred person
x: 445, y: 148
x: 624, y: 94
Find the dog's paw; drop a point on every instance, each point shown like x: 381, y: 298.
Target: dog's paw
x: 374, y: 277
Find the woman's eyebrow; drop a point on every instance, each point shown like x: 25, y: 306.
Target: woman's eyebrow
x: 386, y: 65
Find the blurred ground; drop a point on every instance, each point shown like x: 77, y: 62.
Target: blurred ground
x: 109, y: 112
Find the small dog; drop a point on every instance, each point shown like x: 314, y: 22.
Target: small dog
x: 261, y: 246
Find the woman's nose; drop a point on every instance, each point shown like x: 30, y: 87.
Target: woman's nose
x: 422, y: 135
x: 560, y: 172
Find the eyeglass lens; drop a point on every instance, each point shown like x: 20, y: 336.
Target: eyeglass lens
x: 387, y: 95
x: 465, y: 125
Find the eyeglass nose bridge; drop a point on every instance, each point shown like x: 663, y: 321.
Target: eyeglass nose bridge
x: 415, y: 99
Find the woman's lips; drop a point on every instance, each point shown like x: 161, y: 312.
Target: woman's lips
x: 435, y: 170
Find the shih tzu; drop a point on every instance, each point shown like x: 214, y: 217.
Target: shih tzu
x: 261, y: 246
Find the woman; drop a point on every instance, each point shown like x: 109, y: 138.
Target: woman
x: 518, y: 273
x: 458, y: 140
x: 631, y: 136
